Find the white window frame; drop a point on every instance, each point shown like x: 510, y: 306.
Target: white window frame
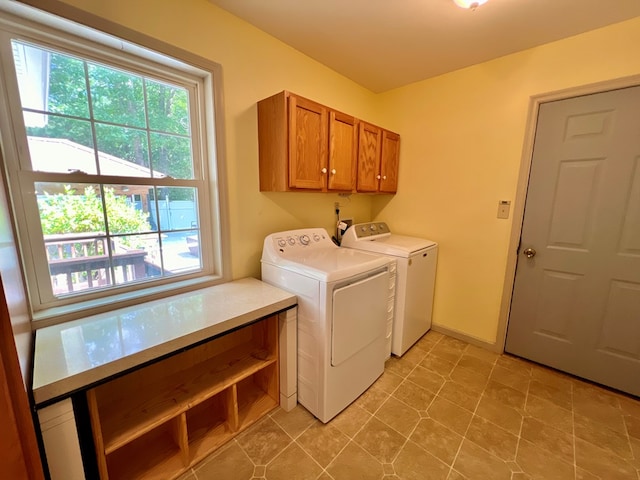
x: 147, y: 57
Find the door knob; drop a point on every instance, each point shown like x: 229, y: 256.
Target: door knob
x: 529, y: 252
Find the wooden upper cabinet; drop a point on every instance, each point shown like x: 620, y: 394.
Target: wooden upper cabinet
x: 308, y: 142
x: 378, y: 154
x: 343, y: 151
x: 389, y: 156
x: 305, y: 146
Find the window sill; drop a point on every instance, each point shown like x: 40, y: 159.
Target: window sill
x: 53, y: 316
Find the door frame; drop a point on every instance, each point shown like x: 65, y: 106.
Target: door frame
x: 523, y: 183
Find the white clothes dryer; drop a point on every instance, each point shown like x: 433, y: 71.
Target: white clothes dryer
x: 415, y: 277
x: 342, y: 303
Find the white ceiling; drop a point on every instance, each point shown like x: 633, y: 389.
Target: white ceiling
x: 384, y: 44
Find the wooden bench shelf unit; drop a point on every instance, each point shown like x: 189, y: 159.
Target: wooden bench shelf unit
x: 159, y: 420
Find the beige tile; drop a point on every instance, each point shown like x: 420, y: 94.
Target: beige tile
x: 510, y: 378
x: 413, y: 356
x: 537, y: 463
x: 398, y: 416
x: 438, y: 365
x: 506, y: 395
x: 583, y: 390
x: 520, y: 476
x: 413, y: 463
x: 398, y: 366
x: 437, y: 439
x: 629, y: 406
x: 228, y: 462
x: 598, y: 434
x: 542, y: 390
x: 351, y: 420
x: 413, y: 395
x: 450, y: 415
x: 633, y: 426
x: 446, y: 352
x: 602, y: 463
x: 428, y: 341
x: 453, y: 343
x: 505, y: 417
x: 354, y: 462
x: 260, y: 471
x: 388, y: 381
x: 188, y: 475
x: 553, y: 378
x: 294, y: 422
x: 482, y: 354
x: 475, y: 365
x: 460, y: 395
x: 478, y: 464
x: 263, y: 441
x: 549, y: 413
x: 372, y: 399
x: 635, y: 448
x: 426, y: 379
x: 516, y: 364
x: 322, y: 442
x: 388, y: 469
x: 603, y: 413
x: 544, y: 436
x: 380, y: 440
x: 492, y: 438
x: 469, y: 378
x: 584, y: 475
x: 293, y: 464
x: 454, y: 475
x: 325, y: 476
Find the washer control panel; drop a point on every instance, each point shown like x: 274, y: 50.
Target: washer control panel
x: 294, y: 241
x: 367, y: 230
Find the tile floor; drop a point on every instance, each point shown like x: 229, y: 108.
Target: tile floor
x: 447, y: 410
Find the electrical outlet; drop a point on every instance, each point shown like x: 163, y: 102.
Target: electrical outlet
x: 503, y: 208
x: 348, y: 221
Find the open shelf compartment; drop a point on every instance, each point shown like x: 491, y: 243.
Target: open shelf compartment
x: 211, y: 424
x: 257, y: 395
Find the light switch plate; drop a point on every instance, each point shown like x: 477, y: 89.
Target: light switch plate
x: 503, y: 208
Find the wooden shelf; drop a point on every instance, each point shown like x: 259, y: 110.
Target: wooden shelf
x: 152, y: 456
x: 156, y: 421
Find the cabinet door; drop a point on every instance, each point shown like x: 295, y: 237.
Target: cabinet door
x: 369, y: 142
x: 389, y: 162
x: 343, y: 150
x: 308, y: 142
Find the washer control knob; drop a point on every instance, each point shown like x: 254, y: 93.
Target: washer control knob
x: 281, y: 242
x: 373, y: 228
x: 316, y: 237
x: 291, y: 240
x: 304, y: 239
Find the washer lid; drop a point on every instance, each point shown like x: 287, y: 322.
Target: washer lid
x: 398, y: 245
x: 310, y: 252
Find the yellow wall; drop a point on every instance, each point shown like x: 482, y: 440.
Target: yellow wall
x: 462, y: 140
x: 462, y: 136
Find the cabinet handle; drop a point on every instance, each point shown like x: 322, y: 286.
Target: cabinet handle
x: 378, y: 177
x: 324, y: 170
x: 333, y: 171
x: 384, y: 177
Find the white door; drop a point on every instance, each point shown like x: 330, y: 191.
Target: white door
x: 576, y: 298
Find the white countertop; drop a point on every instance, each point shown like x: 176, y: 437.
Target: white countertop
x: 76, y: 354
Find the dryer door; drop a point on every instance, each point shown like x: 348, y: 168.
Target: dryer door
x: 359, y: 315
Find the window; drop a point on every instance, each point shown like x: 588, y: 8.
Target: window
x: 111, y: 166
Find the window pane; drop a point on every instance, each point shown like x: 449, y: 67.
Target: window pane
x: 168, y: 108
x: 73, y: 225
x: 171, y: 155
x: 181, y: 252
x: 177, y: 207
x: 133, y: 257
x: 63, y: 145
x: 127, y: 151
x: 124, y: 214
x: 117, y: 97
x: 49, y: 81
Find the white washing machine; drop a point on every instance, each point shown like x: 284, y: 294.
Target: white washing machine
x: 342, y: 304
x: 415, y: 277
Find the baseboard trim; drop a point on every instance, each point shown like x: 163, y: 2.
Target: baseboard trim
x: 493, y: 347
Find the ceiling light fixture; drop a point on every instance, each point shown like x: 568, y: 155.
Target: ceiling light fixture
x: 471, y: 4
